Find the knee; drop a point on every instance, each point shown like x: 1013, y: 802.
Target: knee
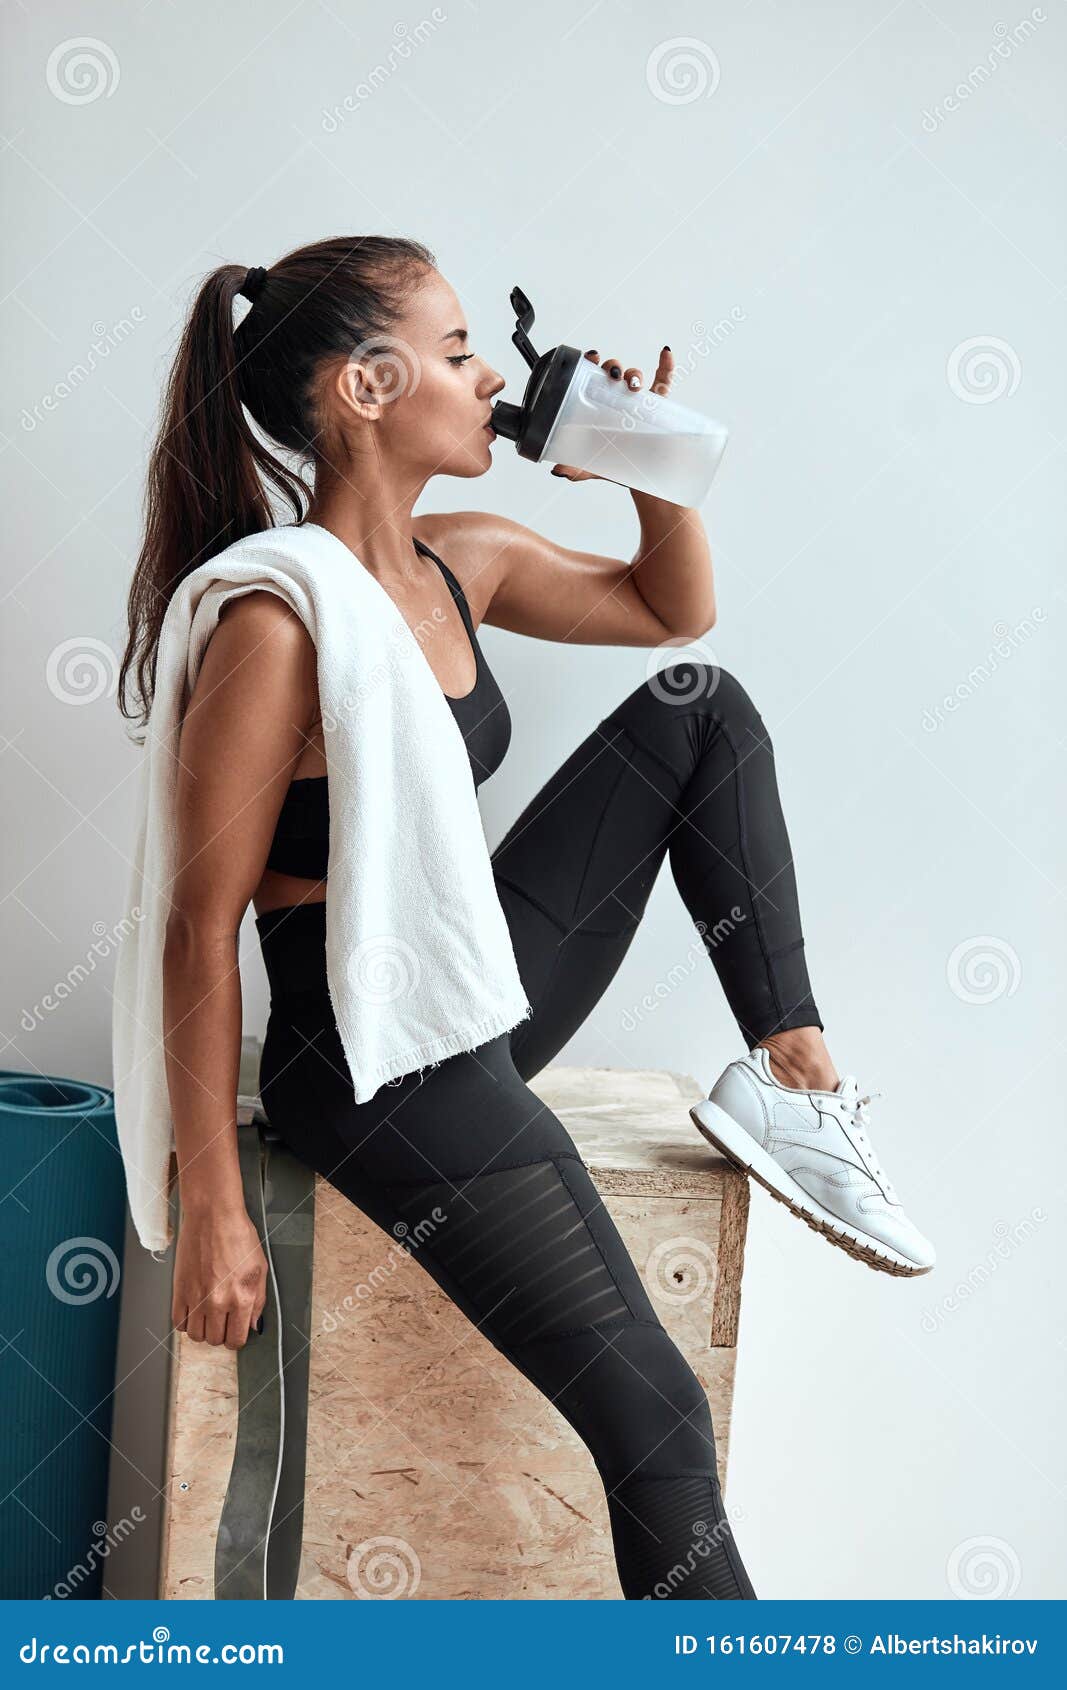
x: 643, y: 1409
x: 706, y: 685
x: 680, y: 690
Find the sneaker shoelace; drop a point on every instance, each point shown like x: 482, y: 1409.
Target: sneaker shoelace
x: 857, y: 1109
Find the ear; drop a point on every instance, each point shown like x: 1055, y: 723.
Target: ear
x: 361, y: 384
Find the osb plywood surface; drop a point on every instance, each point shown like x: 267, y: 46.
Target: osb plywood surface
x: 434, y: 1469
x: 636, y: 1134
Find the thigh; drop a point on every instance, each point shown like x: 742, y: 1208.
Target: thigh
x: 484, y: 1186
x: 575, y: 870
x: 471, y: 1170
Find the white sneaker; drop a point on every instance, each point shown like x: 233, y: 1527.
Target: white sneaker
x: 811, y: 1151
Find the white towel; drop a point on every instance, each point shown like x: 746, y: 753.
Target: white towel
x: 419, y: 959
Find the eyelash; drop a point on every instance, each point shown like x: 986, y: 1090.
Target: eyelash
x: 462, y: 358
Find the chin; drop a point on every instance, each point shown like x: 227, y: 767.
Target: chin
x: 473, y: 463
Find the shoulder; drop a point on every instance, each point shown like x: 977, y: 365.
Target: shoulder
x: 259, y: 614
x: 478, y: 547
x: 262, y: 637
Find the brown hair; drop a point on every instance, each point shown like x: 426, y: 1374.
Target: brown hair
x: 204, y: 488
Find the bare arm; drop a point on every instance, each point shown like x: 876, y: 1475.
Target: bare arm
x: 529, y: 584
x: 524, y: 581
x: 243, y: 730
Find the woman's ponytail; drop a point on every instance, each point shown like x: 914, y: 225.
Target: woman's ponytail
x: 205, y: 484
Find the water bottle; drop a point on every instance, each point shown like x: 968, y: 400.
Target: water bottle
x: 573, y: 413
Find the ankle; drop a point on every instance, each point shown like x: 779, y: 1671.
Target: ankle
x: 799, y: 1058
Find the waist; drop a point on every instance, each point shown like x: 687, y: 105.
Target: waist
x: 292, y: 941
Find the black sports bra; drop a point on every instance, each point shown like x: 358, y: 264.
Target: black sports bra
x: 301, y: 838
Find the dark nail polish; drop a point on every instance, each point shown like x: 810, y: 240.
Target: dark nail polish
x: 614, y: 369
x: 592, y: 352
x: 666, y: 349
x: 259, y: 1324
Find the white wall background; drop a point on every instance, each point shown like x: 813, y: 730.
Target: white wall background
x: 889, y: 508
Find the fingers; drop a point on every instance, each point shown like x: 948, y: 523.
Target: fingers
x: 661, y: 381
x: 241, y: 1325
x: 216, y: 1322
x: 633, y: 376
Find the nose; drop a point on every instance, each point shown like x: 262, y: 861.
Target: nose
x: 492, y: 384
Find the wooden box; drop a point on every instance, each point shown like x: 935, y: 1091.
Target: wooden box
x: 434, y: 1469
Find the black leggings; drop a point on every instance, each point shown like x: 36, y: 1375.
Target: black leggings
x: 477, y: 1169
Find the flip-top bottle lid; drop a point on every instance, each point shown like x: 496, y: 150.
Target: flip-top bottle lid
x: 530, y: 423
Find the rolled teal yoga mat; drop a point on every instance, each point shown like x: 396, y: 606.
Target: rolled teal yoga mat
x: 64, y: 1207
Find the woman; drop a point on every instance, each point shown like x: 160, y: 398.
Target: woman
x: 354, y: 357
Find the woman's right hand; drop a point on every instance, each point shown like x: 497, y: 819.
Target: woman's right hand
x: 220, y: 1277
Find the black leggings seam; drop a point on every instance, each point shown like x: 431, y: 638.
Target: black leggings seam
x: 609, y: 800
x: 719, y: 722
x: 503, y: 1167
x: 784, y: 950
x: 678, y: 1473
x: 624, y: 1324
x: 513, y: 885
x: 742, y: 835
x: 564, y: 928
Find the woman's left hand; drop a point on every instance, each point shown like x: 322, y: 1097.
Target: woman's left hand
x: 634, y: 379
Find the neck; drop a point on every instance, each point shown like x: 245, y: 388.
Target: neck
x: 377, y: 528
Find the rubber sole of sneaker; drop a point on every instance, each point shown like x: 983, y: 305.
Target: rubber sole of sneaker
x: 732, y: 1141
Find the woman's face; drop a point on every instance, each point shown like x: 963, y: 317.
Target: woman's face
x: 433, y: 389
